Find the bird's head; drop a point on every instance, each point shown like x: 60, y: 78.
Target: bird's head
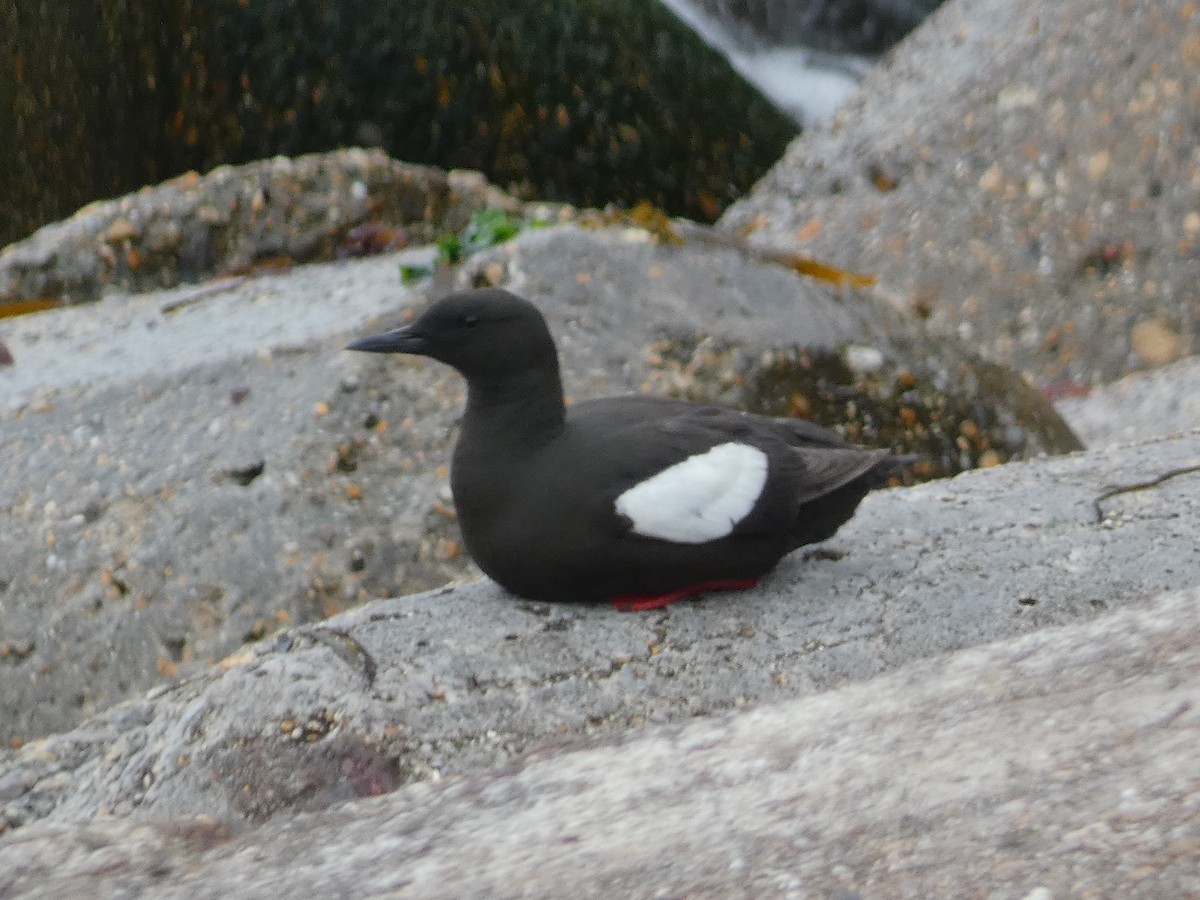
x: 484, y: 334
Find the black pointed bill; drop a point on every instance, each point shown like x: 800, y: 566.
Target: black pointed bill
x: 401, y: 340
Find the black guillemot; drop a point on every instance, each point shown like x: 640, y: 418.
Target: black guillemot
x: 637, y: 500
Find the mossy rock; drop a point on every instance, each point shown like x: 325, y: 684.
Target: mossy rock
x: 591, y: 102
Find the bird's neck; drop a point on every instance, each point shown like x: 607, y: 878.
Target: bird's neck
x: 523, y: 409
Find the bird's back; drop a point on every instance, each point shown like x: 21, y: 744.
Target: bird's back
x: 570, y: 487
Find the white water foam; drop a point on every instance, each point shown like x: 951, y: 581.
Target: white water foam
x: 808, y: 85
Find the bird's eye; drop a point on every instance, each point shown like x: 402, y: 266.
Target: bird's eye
x: 468, y: 321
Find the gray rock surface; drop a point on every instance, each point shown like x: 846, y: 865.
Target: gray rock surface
x: 186, y: 473
x: 466, y: 678
x: 1024, y: 172
x: 1163, y: 401
x: 1062, y: 763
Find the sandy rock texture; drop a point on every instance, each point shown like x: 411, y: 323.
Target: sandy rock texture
x: 1058, y: 764
x: 1026, y: 174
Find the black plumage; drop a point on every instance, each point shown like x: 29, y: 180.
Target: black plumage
x: 536, y: 483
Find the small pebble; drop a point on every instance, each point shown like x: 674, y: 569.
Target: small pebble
x: 1155, y: 342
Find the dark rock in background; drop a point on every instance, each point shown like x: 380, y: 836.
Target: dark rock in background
x: 592, y: 102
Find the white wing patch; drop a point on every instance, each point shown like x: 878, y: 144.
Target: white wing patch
x: 700, y: 499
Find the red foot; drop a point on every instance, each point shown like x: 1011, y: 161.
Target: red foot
x: 640, y: 604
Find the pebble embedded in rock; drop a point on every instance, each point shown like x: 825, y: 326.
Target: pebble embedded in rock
x: 1156, y: 343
